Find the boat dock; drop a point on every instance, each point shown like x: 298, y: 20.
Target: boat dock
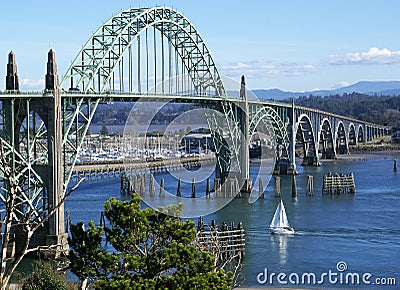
x: 338, y: 184
x: 111, y: 169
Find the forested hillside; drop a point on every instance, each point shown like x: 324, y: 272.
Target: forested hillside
x: 383, y: 110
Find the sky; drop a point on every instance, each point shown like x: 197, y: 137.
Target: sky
x: 297, y: 45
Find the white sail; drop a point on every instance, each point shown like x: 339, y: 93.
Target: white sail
x: 275, y: 223
x: 280, y: 219
x: 284, y: 223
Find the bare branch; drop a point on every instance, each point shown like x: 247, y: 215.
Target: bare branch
x: 58, y: 205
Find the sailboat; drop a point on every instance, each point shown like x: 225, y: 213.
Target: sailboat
x: 280, y: 223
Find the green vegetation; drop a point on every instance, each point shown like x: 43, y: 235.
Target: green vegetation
x: 150, y: 250
x: 384, y: 110
x: 44, y: 277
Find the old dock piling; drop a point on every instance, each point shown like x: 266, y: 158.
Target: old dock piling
x: 260, y: 188
x: 193, y: 188
x: 294, y: 187
x: 152, y: 188
x: 277, y: 186
x: 224, y: 242
x: 143, y: 185
x: 162, y: 185
x: 310, y: 185
x: 208, y: 188
x: 395, y: 164
x: 178, y: 189
x: 338, y: 184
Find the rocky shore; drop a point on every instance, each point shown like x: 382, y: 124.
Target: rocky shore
x: 372, y: 148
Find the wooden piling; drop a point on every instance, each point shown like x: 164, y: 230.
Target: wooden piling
x: 238, y: 191
x: 131, y: 189
x: 277, y: 186
x: 208, y: 188
x: 294, y: 187
x: 152, y: 188
x: 217, y: 187
x: 395, y: 164
x: 225, y: 187
x: 178, y: 190
x: 137, y: 184
x: 193, y: 188
x: 122, y: 185
x: 260, y: 188
x: 162, y: 187
x: 143, y: 185
x: 310, y: 185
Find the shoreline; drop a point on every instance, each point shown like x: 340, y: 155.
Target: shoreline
x: 359, y: 156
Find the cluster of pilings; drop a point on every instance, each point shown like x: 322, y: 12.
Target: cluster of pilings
x: 137, y: 184
x: 277, y: 191
x: 230, y: 188
x: 338, y: 184
x: 226, y: 241
x: 145, y: 183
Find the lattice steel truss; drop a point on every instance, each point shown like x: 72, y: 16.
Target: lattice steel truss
x: 274, y: 125
x: 106, y: 65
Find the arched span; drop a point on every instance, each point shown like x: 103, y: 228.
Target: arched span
x: 94, y: 68
x: 273, y: 122
x: 306, y: 141
x: 360, y: 134
x: 352, y: 137
x: 326, y: 145
x: 342, y: 146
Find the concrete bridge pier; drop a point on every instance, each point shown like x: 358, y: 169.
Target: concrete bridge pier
x: 291, y: 169
x: 48, y: 109
x: 56, y: 233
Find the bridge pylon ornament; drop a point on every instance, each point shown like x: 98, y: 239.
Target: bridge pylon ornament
x: 32, y: 146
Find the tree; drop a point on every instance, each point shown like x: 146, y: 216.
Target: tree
x: 22, y: 214
x: 150, y: 250
x: 44, y: 276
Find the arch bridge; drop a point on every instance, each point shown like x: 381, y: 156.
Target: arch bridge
x: 149, y: 55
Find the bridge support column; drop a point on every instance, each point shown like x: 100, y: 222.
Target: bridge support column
x: 244, y: 146
x: 56, y: 233
x: 292, y: 136
x: 12, y: 81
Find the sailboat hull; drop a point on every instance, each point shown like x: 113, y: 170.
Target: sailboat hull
x: 282, y: 231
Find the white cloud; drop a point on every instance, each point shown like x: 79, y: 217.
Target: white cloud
x: 32, y: 84
x: 372, y: 56
x: 259, y: 69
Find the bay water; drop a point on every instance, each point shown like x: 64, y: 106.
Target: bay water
x: 334, y: 236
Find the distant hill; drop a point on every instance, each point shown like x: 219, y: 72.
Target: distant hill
x: 383, y: 88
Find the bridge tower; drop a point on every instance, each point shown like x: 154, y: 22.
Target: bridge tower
x: 32, y: 142
x: 292, y: 144
x: 54, y: 173
x: 244, y: 146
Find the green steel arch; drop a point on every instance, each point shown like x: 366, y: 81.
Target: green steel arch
x: 274, y: 125
x: 93, y: 67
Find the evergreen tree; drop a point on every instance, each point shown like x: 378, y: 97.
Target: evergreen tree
x: 150, y: 250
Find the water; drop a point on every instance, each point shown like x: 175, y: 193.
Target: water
x: 361, y: 230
